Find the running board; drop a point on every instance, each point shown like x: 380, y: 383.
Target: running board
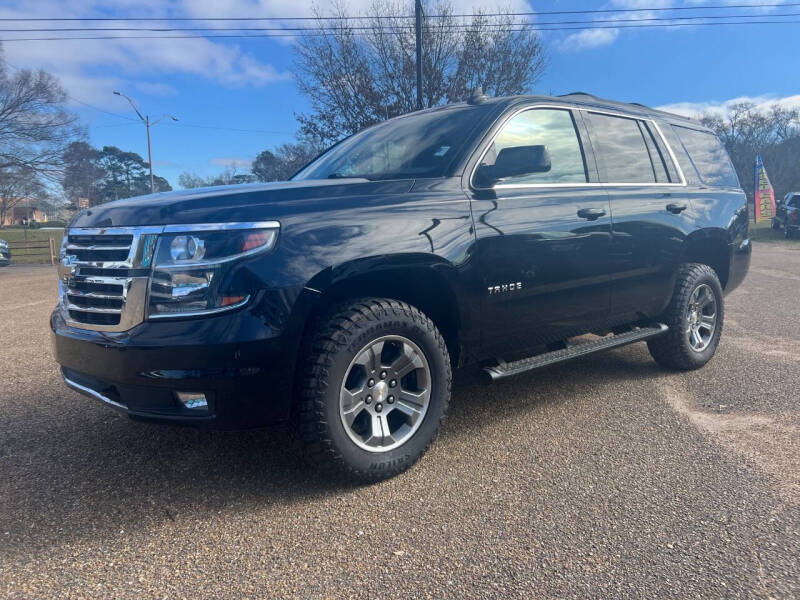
x: 637, y: 334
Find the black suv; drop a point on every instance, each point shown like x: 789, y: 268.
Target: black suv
x: 489, y: 233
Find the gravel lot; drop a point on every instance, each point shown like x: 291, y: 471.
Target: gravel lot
x: 607, y: 477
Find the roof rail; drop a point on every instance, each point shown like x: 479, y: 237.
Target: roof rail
x: 578, y: 94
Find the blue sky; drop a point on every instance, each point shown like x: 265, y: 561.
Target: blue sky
x: 235, y: 98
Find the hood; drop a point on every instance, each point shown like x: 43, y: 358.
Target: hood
x: 247, y: 202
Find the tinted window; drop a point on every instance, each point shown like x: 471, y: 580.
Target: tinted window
x: 709, y: 157
x: 417, y: 145
x: 555, y: 130
x: 689, y: 172
x: 659, y: 170
x: 621, y: 151
x: 794, y: 202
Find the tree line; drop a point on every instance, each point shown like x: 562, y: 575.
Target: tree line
x: 773, y: 132
x: 105, y: 175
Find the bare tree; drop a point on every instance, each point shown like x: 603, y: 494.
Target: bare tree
x: 284, y: 161
x: 35, y: 128
x: 359, y: 72
x: 774, y: 133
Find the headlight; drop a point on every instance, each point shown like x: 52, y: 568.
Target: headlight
x: 192, y: 267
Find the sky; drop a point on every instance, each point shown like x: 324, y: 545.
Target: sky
x: 236, y: 97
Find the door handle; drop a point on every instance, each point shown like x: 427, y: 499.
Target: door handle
x: 591, y: 214
x: 676, y: 209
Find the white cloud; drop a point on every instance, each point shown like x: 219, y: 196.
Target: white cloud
x: 90, y: 69
x: 721, y: 108
x: 589, y: 38
x: 233, y: 162
x: 600, y: 36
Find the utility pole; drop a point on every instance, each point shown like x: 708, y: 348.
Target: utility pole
x: 147, y: 124
x: 418, y: 27
x: 150, y: 155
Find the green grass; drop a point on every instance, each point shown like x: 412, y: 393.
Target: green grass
x: 17, y: 236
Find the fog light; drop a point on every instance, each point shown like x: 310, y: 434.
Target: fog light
x: 193, y: 400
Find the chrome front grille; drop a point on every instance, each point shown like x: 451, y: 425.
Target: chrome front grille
x: 104, y: 276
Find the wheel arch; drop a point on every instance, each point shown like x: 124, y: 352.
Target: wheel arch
x: 426, y: 282
x: 709, y: 247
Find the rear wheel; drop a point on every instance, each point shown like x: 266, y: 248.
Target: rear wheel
x: 694, y: 317
x: 375, y: 387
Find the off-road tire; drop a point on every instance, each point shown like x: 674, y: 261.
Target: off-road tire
x: 672, y: 349
x: 329, y: 348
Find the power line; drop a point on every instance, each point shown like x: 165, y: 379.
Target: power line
x: 391, y: 27
x: 439, y: 16
x: 97, y: 108
x: 320, y: 34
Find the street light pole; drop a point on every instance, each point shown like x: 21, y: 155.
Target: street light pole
x: 147, y: 124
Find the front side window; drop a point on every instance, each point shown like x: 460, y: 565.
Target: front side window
x: 794, y: 202
x: 552, y: 129
x: 621, y: 150
x: 709, y: 157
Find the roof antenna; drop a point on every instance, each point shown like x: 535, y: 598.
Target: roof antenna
x: 477, y: 96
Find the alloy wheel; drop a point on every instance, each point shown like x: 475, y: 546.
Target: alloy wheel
x: 701, y: 317
x: 385, y: 393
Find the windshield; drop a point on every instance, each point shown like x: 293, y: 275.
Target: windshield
x: 416, y: 145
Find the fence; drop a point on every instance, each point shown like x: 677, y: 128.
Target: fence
x: 34, y: 249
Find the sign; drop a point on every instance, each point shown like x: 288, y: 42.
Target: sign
x: 83, y: 203
x: 764, y: 194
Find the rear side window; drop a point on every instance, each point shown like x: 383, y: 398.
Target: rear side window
x: 708, y: 156
x: 622, y: 152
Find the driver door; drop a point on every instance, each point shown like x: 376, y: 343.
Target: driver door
x: 543, y: 238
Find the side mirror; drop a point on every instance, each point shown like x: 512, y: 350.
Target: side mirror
x: 513, y: 162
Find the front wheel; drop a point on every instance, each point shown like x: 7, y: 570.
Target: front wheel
x: 787, y: 232
x: 694, y: 317
x: 374, y: 388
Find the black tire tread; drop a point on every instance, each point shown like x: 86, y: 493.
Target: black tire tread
x: 328, y: 334
x: 670, y: 350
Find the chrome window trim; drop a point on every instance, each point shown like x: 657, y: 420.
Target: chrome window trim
x: 587, y: 184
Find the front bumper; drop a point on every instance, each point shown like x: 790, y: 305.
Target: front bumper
x: 243, y: 366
